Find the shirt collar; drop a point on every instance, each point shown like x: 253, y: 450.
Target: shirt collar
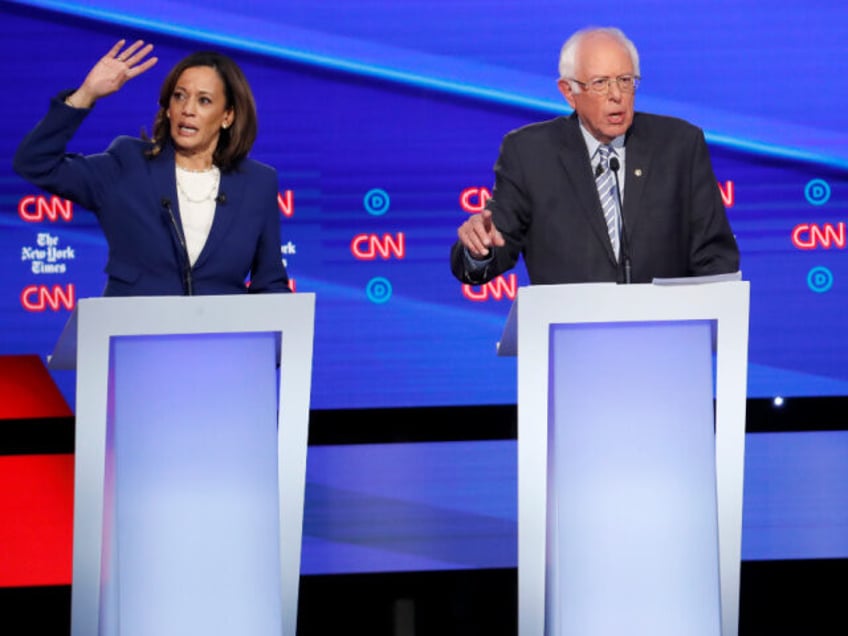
x: 593, y: 144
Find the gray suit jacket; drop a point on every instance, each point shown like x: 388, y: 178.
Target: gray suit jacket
x: 546, y: 205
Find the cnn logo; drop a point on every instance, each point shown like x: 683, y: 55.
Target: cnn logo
x: 497, y: 289
x: 37, y: 208
x: 39, y: 298
x: 366, y: 247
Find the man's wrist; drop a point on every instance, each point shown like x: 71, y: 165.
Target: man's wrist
x: 476, y: 265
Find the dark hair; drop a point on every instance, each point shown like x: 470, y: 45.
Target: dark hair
x: 235, y: 141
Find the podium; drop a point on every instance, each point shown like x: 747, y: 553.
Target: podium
x: 191, y: 434
x: 629, y: 478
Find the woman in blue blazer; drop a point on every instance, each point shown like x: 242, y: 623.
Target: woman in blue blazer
x: 185, y: 212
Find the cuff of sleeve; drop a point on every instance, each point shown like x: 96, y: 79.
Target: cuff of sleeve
x: 62, y: 97
x: 474, y: 265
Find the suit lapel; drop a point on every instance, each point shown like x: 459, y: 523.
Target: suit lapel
x: 164, y: 182
x: 230, y: 195
x: 574, y: 157
x: 638, y: 165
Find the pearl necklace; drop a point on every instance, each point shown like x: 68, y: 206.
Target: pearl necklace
x: 198, y: 186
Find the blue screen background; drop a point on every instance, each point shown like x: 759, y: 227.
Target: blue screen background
x: 399, y: 108
x: 409, y: 103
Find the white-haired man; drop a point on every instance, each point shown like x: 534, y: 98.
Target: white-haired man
x: 606, y: 194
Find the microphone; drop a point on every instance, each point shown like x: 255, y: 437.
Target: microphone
x: 625, y: 247
x: 221, y: 198
x: 166, y: 203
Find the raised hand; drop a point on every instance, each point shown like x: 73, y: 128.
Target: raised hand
x: 479, y: 233
x: 112, y: 71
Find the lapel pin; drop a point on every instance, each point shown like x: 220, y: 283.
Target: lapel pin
x: 638, y: 172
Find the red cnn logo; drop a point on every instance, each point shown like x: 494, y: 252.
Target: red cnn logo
x: 366, y: 247
x: 40, y: 298
x: 34, y: 209
x: 728, y: 193
x: 285, y: 201
x: 474, y: 200
x: 809, y: 236
x: 495, y: 289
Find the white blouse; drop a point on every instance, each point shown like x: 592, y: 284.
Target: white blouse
x: 197, y: 191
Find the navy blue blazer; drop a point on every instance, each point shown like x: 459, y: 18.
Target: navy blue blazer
x: 130, y: 194
x: 546, y: 206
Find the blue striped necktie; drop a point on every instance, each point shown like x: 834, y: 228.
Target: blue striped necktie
x: 606, y: 190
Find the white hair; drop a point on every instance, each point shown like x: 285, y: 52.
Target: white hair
x: 568, y: 53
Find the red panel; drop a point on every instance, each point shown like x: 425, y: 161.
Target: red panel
x: 28, y: 391
x: 36, y: 519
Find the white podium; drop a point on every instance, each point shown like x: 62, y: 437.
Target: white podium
x: 191, y: 434
x: 629, y: 481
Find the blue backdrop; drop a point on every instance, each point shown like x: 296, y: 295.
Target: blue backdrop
x: 384, y: 120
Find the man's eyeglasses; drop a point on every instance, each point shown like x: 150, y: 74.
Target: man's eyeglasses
x: 602, y: 85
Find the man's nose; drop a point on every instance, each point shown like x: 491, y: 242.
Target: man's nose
x: 614, y: 91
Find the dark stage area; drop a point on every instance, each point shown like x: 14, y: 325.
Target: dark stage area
x: 778, y: 597
x: 786, y: 598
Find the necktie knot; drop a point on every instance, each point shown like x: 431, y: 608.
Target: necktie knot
x: 604, y: 153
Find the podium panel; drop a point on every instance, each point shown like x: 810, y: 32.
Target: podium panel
x: 629, y: 482
x: 197, y: 524
x: 191, y: 440
x: 632, y: 494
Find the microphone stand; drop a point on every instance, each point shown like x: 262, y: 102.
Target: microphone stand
x: 625, y: 246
